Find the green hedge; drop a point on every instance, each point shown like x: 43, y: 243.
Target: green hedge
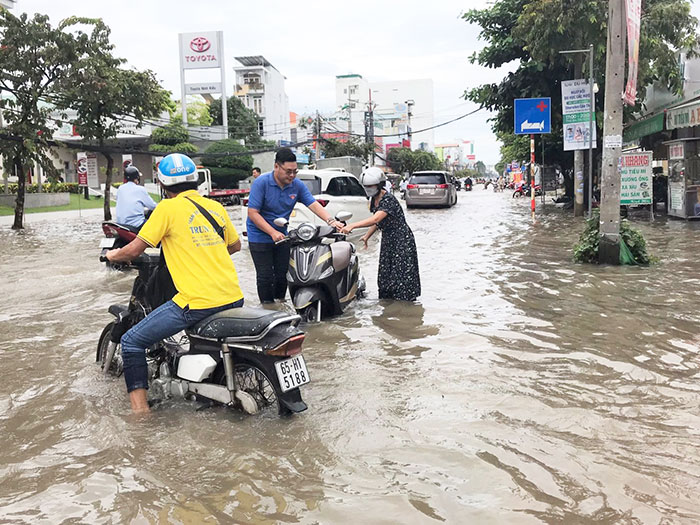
x: 49, y: 187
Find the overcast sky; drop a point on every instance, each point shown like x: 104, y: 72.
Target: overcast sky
x: 310, y: 43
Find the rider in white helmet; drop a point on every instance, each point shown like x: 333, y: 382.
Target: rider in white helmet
x: 197, y: 239
x: 398, y: 276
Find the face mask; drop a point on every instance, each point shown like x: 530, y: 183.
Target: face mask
x: 371, y: 191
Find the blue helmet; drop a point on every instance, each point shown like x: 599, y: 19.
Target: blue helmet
x: 176, y: 168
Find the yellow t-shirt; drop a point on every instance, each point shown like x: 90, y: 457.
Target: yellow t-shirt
x: 197, y: 258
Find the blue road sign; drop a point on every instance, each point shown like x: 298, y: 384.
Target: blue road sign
x: 533, y: 115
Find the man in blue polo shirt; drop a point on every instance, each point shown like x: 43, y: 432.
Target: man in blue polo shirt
x: 274, y: 195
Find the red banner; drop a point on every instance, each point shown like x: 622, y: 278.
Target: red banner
x: 634, y: 15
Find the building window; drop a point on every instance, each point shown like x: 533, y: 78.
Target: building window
x: 260, y: 128
x: 353, y: 90
x: 257, y: 105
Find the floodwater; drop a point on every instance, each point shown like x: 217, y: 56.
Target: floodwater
x: 523, y: 388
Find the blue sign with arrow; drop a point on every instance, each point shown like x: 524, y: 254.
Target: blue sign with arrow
x: 533, y: 116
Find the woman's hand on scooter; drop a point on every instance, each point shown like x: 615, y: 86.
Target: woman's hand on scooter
x: 347, y: 229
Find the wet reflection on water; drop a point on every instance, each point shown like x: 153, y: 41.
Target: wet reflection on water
x: 522, y: 388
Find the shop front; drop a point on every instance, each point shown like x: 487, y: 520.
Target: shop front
x: 684, y: 178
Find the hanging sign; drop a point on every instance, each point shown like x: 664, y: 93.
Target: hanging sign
x: 576, y: 107
x: 634, y: 15
x: 636, y: 178
x: 676, y: 151
x: 81, y: 168
x: 685, y: 117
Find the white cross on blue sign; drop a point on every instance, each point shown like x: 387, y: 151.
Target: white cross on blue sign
x: 533, y: 115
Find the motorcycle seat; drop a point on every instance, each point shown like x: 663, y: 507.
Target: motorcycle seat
x: 240, y: 322
x: 133, y: 229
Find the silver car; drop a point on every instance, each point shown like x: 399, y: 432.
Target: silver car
x: 430, y: 188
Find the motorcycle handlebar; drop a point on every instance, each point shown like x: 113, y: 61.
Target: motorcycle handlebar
x: 103, y: 259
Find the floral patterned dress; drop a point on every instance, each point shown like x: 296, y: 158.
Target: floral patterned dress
x: 399, y: 277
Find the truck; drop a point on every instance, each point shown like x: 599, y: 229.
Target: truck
x: 226, y: 197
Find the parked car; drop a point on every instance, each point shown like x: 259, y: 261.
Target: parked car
x: 430, y: 188
x: 334, y: 189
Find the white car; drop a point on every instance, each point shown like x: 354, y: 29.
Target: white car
x: 334, y: 189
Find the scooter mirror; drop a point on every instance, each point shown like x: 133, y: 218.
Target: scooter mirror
x: 281, y: 222
x: 343, y: 216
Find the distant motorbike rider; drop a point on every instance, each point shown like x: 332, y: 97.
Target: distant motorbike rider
x: 133, y: 199
x: 197, y: 239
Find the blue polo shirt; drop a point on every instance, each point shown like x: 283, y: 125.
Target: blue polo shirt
x: 273, y: 202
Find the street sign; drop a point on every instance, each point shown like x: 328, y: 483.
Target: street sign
x: 533, y: 116
x: 636, y: 178
x: 576, y: 106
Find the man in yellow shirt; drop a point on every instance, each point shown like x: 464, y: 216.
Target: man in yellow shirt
x: 197, y: 239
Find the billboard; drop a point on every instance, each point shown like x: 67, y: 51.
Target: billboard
x: 576, y: 107
x: 200, y: 50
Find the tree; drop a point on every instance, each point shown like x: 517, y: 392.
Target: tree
x: 172, y: 138
x: 36, y: 60
x: 480, y: 168
x: 402, y: 160
x: 226, y: 171
x: 351, y: 148
x: 532, y: 32
x: 242, y: 122
x: 103, y: 94
x: 197, y: 113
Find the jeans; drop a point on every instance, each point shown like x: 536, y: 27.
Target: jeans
x: 271, y: 263
x: 166, y: 320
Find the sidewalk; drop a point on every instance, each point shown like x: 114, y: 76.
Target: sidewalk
x: 32, y: 218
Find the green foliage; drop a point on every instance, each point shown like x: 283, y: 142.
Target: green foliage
x: 50, y: 187
x: 197, y: 113
x: 586, y: 249
x: 227, y: 171
x: 242, y: 122
x: 172, y: 138
x: 531, y: 33
x: 352, y: 148
x: 402, y: 160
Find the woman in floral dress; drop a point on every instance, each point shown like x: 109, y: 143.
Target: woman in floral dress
x: 399, y: 277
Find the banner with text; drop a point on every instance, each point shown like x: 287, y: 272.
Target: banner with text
x: 634, y: 16
x: 636, y: 178
x: 576, y: 105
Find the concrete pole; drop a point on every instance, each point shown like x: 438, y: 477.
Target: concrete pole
x: 578, y: 154
x: 609, y: 249
x: 183, y: 96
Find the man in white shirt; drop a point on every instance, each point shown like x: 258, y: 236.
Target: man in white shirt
x: 132, y: 199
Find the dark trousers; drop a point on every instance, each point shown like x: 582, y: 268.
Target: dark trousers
x: 271, y: 263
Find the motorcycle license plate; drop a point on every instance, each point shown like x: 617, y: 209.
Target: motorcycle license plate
x: 107, y: 242
x: 292, y: 373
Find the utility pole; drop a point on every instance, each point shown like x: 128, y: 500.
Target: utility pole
x: 369, y: 127
x: 410, y: 104
x: 318, y: 136
x: 609, y: 248
x: 578, y: 154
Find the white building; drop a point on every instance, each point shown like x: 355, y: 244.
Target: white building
x: 261, y: 88
x: 398, y: 106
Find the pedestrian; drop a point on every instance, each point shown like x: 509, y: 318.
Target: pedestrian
x: 256, y: 172
x: 133, y: 199
x: 274, y: 195
x: 398, y: 277
x: 197, y: 239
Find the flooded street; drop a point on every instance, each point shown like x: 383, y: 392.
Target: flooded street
x: 523, y: 388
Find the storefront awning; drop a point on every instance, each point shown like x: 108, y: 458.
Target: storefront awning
x: 642, y: 128
x: 684, y: 116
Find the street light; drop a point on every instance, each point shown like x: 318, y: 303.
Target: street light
x: 409, y: 103
x: 591, y: 108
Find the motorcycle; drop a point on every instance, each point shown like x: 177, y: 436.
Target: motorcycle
x: 243, y: 358
x: 524, y: 190
x: 467, y: 186
x: 324, y: 270
x: 117, y: 236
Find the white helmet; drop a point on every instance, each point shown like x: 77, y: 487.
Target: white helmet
x: 175, y: 169
x: 372, y: 177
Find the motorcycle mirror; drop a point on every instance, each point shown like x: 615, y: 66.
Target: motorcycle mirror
x: 343, y: 216
x: 281, y: 222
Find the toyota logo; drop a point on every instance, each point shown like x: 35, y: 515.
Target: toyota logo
x: 200, y: 44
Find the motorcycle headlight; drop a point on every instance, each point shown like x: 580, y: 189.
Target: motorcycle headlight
x: 306, y: 231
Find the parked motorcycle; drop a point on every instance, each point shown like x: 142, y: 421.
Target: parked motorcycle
x: 524, y: 190
x: 244, y: 358
x: 324, y: 270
